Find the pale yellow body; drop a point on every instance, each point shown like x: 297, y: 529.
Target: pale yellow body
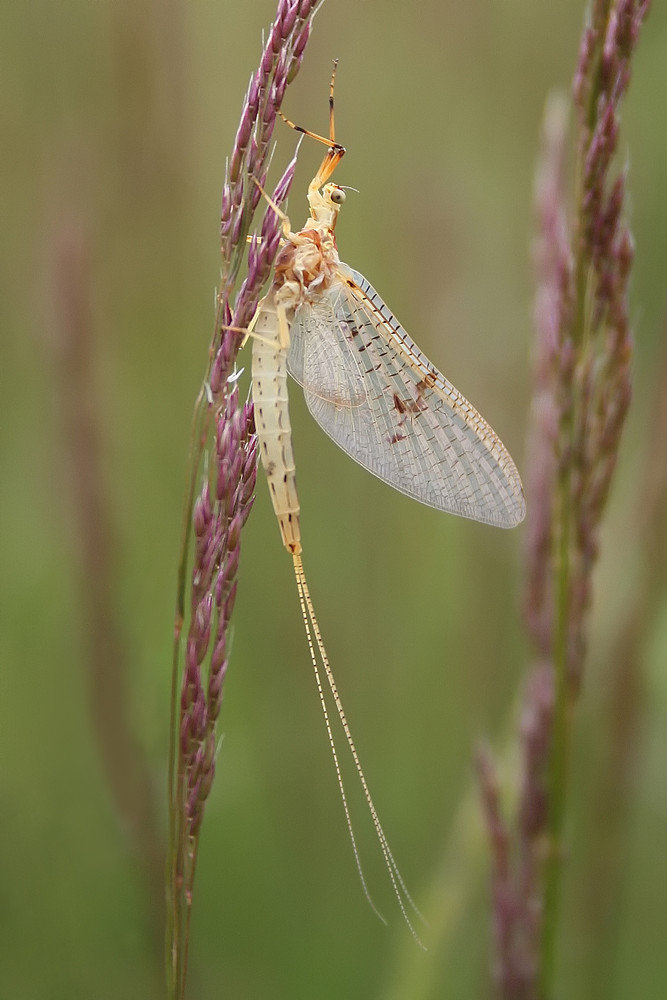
x: 272, y: 421
x: 304, y: 266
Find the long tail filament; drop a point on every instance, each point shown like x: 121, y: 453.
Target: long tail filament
x: 317, y: 647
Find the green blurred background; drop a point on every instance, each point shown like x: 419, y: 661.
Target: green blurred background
x: 116, y: 122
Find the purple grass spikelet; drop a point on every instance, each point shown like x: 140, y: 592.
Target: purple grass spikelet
x: 222, y: 475
x: 582, y: 391
x: 516, y: 866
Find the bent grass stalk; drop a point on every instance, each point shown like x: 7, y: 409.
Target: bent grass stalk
x: 594, y: 385
x: 582, y: 389
x: 221, y: 479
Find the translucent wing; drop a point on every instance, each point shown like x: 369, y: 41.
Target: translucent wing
x: 378, y: 396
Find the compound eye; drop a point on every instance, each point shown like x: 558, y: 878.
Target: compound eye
x: 338, y: 196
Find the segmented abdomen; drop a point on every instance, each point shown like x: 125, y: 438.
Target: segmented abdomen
x: 274, y: 433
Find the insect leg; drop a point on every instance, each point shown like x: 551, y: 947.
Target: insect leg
x: 283, y: 328
x: 332, y: 131
x: 287, y: 229
x: 249, y: 331
x: 335, y: 151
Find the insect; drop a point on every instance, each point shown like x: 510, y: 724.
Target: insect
x: 377, y: 396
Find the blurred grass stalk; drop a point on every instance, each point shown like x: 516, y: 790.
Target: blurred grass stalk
x: 74, y: 343
x: 582, y: 390
x: 223, y: 457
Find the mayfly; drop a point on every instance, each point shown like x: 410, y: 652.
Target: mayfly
x: 376, y: 394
